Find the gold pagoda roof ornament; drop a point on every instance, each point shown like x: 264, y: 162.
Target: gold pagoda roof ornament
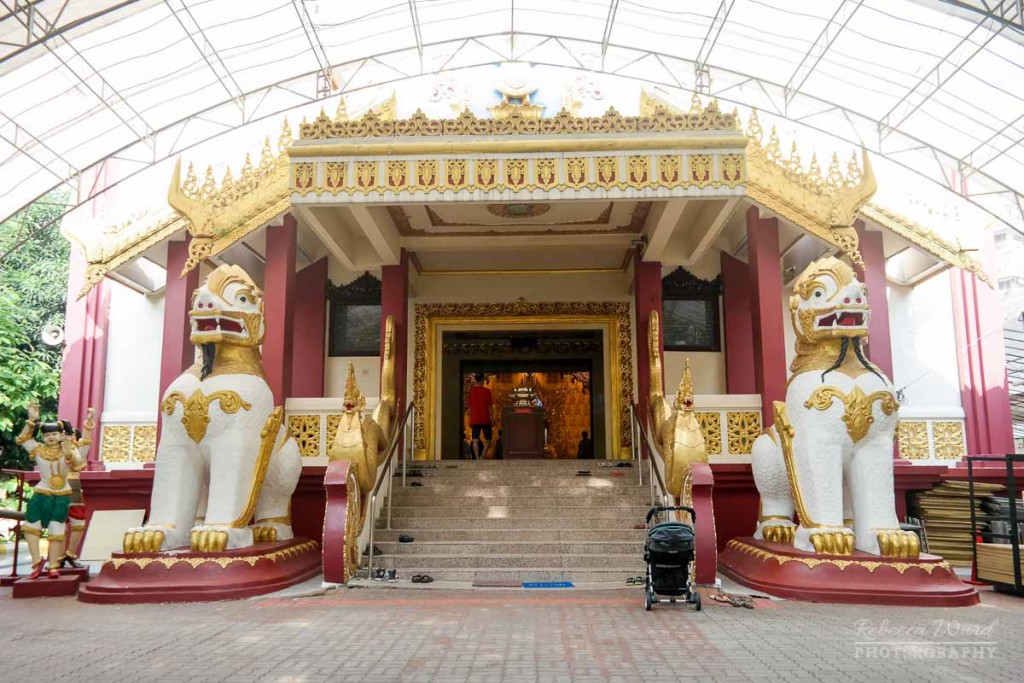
x: 661, y: 120
x: 220, y: 215
x: 515, y: 101
x: 827, y: 206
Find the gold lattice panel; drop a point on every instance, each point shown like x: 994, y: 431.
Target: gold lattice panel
x: 305, y: 429
x: 332, y: 430
x: 144, y: 443
x: 949, y: 440
x: 743, y: 428
x: 912, y: 437
x: 711, y: 426
x: 116, y: 445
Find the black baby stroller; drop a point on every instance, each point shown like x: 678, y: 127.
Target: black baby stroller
x: 669, y: 555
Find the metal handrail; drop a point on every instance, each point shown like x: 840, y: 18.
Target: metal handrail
x: 401, y: 430
x: 656, y: 473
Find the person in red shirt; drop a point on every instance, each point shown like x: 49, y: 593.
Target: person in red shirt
x: 481, y: 405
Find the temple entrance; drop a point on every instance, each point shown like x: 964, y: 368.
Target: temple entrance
x: 548, y: 389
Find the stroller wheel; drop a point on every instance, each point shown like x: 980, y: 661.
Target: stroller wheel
x: 648, y: 600
x: 696, y: 601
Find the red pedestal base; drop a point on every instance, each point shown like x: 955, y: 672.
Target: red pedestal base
x: 45, y: 587
x: 864, y: 579
x: 184, y: 576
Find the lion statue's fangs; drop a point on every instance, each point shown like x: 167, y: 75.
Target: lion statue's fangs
x: 226, y: 467
x: 828, y: 457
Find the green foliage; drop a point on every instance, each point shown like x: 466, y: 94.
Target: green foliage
x: 33, y: 289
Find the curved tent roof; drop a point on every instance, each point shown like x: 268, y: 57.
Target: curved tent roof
x: 936, y: 88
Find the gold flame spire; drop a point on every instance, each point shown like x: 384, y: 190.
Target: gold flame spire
x: 684, y: 395
x: 353, y: 396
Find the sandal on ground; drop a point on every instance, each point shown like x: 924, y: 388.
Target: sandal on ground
x: 379, y: 574
x: 631, y: 581
x: 426, y: 579
x: 392, y: 575
x: 416, y: 483
x: 405, y: 538
x: 417, y: 578
x: 70, y: 560
x: 583, y: 473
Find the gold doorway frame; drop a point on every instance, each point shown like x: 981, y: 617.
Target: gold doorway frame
x: 612, y: 317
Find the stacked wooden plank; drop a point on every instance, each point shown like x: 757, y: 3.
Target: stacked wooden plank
x: 946, y: 513
x: 995, y: 563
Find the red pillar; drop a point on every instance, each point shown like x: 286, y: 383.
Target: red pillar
x: 879, y: 341
x: 311, y: 322
x: 394, y: 301
x: 177, y: 353
x: 739, y: 330
x: 647, y: 290
x: 981, y: 356
x: 84, y: 365
x: 766, y: 305
x: 279, y: 307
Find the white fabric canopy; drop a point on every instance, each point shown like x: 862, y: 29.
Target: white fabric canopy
x: 936, y: 88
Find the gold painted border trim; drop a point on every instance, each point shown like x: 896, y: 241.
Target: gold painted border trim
x: 812, y: 562
x: 614, y: 317
x: 532, y: 145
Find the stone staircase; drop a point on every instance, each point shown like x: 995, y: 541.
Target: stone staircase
x: 499, y: 523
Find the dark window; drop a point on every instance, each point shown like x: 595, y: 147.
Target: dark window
x: 690, y: 312
x: 355, y: 318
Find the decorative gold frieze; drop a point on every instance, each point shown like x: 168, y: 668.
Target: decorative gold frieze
x: 660, y: 120
x: 144, y: 443
x: 912, y: 437
x: 528, y: 174
x: 948, y: 437
x: 305, y: 429
x: 743, y: 428
x: 711, y: 427
x: 116, y: 445
x: 332, y: 427
x: 427, y: 175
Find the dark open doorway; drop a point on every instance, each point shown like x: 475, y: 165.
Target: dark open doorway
x: 565, y: 367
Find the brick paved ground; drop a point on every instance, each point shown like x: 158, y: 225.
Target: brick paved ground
x: 506, y: 636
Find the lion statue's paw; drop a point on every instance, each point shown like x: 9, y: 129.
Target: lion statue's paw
x: 151, y: 538
x: 898, y: 543
x: 216, y: 538
x: 776, y: 531
x: 264, y: 532
x: 832, y: 540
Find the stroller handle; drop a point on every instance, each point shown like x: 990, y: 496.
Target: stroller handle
x: 655, y: 510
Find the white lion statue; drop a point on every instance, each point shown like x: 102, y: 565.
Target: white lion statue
x: 829, y: 453
x: 224, y: 455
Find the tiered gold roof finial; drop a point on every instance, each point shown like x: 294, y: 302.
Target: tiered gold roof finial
x: 825, y: 206
x: 656, y: 119
x: 212, y: 210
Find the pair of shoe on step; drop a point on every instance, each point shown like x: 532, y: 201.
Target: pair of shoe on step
x: 422, y: 578
x: 381, y: 574
x: 636, y: 581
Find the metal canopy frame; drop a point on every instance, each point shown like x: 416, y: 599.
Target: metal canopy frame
x: 886, y: 137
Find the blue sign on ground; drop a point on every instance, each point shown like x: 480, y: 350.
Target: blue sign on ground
x: 548, y: 584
